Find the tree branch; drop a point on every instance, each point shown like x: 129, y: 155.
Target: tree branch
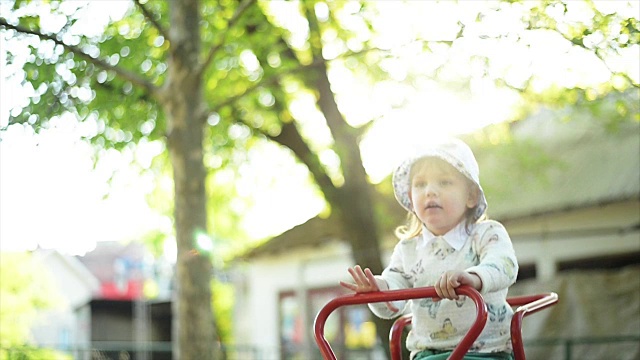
x: 600, y: 57
x: 149, y: 16
x: 579, y: 42
x: 122, y: 73
x: 290, y: 138
x: 234, y: 19
x: 265, y: 82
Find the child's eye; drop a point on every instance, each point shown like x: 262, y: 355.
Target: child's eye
x: 445, y: 182
x: 420, y: 184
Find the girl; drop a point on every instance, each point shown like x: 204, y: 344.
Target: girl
x: 446, y: 243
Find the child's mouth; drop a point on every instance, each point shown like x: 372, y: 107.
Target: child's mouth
x: 433, y: 205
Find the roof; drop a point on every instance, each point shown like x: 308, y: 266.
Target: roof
x: 561, y: 166
x: 71, y: 263
x: 101, y: 260
x: 580, y: 164
x: 314, y: 232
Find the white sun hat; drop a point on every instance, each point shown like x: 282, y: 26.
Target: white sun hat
x: 453, y: 151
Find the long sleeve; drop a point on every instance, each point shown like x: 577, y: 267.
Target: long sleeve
x: 498, y: 266
x: 395, y: 276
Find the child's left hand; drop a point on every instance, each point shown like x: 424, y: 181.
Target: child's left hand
x: 450, y: 280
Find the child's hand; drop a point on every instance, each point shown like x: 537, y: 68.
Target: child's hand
x: 365, y: 282
x: 450, y: 280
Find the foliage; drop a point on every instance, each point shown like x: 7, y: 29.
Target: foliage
x: 32, y: 353
x: 593, y: 28
x: 261, y: 71
x: 223, y: 302
x: 25, y: 289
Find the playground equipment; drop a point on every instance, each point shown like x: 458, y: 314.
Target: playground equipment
x: 526, y: 305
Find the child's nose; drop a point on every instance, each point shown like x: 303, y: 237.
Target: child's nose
x: 431, y: 189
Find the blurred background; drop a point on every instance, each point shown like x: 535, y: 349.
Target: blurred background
x: 191, y: 180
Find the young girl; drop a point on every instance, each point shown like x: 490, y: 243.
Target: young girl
x: 446, y: 243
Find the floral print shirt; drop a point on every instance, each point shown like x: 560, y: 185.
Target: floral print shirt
x: 420, y: 261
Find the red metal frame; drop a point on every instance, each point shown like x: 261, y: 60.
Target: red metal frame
x: 527, y: 305
x: 403, y: 294
x: 395, y: 336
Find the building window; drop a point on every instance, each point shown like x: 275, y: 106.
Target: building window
x: 601, y: 262
x: 291, y: 327
x: 349, y: 329
x: 359, y: 329
x: 526, y: 271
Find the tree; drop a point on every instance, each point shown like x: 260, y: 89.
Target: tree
x: 191, y: 73
x: 137, y: 91
x: 24, y: 289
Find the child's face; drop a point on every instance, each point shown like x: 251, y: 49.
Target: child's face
x: 440, y: 195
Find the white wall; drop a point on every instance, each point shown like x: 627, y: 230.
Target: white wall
x: 256, y: 315
x: 67, y: 325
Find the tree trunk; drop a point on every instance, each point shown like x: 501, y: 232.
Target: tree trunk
x: 353, y: 200
x: 194, y: 333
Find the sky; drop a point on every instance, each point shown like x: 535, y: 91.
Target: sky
x: 52, y: 196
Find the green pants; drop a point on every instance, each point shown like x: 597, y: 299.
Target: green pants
x: 442, y: 355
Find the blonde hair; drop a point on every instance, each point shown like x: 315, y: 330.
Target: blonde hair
x: 413, y: 225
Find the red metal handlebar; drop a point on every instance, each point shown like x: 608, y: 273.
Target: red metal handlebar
x: 403, y: 294
x: 527, y: 305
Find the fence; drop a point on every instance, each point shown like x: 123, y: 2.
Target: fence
x: 584, y: 348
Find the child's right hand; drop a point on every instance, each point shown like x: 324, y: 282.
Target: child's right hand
x: 366, y: 282
x: 451, y: 280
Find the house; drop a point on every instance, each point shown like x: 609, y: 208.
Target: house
x: 119, y: 268
x: 105, y: 312
x: 66, y: 326
x: 572, y: 208
x: 123, y: 317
